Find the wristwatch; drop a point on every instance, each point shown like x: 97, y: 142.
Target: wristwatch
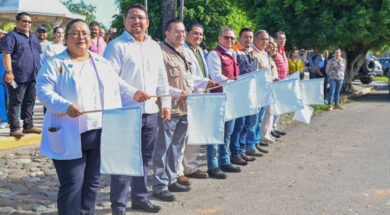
x: 9, y: 72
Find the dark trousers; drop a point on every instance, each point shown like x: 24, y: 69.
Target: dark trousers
x: 79, y: 178
x: 22, y: 97
x: 139, y: 189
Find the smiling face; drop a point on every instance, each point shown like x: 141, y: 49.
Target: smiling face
x: 78, y: 38
x: 94, y: 31
x: 24, y: 24
x: 227, y: 40
x: 136, y: 23
x: 41, y: 34
x: 246, y: 39
x: 176, y: 34
x: 59, y: 35
x: 195, y: 37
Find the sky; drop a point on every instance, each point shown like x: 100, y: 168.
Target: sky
x: 105, y: 9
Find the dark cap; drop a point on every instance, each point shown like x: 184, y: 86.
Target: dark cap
x: 41, y: 28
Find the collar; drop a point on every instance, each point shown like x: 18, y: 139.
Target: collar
x: 130, y: 37
x: 229, y: 51
x: 281, y: 50
x: 181, y: 51
x: 19, y: 32
x: 242, y: 48
x: 68, y: 62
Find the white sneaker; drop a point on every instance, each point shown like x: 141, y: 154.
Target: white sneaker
x: 4, y: 125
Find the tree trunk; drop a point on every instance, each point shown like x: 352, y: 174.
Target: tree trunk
x: 355, y: 58
x: 169, y: 8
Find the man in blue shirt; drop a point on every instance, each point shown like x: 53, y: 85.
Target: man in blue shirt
x: 21, y: 57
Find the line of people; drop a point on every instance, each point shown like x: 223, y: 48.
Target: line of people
x: 132, y: 68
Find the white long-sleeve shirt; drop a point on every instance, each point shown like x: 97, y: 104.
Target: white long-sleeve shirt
x: 141, y: 65
x: 214, y: 65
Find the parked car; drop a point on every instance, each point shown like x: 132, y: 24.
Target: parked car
x: 370, y: 68
x: 385, y: 62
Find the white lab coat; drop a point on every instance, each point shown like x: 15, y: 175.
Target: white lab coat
x: 57, y: 89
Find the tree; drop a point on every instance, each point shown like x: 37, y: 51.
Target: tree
x: 355, y: 26
x: 169, y: 9
x: 213, y: 14
x: 82, y: 8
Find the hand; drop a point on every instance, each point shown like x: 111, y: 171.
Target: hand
x: 211, y: 84
x: 184, y: 95
x: 73, y: 111
x: 8, y: 78
x: 141, y: 96
x: 166, y: 114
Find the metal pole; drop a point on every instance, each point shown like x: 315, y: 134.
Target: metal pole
x: 146, y: 5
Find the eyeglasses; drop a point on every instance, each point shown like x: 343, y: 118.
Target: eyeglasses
x: 229, y: 38
x: 77, y: 34
x: 26, y: 21
x: 133, y: 18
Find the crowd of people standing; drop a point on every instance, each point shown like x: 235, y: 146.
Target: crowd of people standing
x: 89, y: 74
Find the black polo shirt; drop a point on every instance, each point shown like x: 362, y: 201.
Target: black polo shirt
x: 25, y: 54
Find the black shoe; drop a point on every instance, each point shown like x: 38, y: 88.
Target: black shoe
x: 262, y: 144
x: 119, y: 213
x: 247, y: 158
x: 280, y: 132
x: 275, y: 134
x: 261, y: 150
x: 230, y: 168
x: 216, y: 173
x: 165, y: 196
x: 176, y: 187
x: 146, y: 206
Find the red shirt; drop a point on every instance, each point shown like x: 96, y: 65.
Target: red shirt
x: 281, y: 63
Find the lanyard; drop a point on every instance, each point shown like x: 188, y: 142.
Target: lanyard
x: 181, y: 56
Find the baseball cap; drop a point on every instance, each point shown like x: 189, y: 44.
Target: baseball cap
x: 41, y: 28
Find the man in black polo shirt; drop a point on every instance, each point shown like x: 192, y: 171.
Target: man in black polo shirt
x: 21, y: 50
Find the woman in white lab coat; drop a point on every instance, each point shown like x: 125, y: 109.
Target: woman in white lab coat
x: 68, y: 84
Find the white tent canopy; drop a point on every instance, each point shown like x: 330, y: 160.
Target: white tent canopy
x: 42, y: 11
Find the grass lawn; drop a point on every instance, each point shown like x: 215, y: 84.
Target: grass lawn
x: 382, y: 78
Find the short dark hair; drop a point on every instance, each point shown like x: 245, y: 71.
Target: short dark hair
x: 55, y: 29
x: 172, y: 21
x: 138, y: 6
x: 244, y: 30
x: 93, y: 24
x: 70, y: 24
x: 19, y: 15
x: 279, y: 33
x: 193, y: 24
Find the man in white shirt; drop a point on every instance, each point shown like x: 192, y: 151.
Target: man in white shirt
x: 138, y: 60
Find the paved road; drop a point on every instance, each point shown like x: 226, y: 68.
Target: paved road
x: 339, y: 164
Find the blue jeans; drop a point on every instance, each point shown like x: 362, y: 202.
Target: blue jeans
x: 3, y: 102
x: 79, y: 178
x: 248, y: 134
x: 260, y: 118
x: 235, y: 148
x: 120, y: 183
x: 335, y: 87
x: 212, y: 161
x: 170, y: 142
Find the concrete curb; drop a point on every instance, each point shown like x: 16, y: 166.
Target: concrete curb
x: 8, y: 143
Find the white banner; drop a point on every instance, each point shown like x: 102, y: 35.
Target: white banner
x: 206, y: 118
x: 121, y: 142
